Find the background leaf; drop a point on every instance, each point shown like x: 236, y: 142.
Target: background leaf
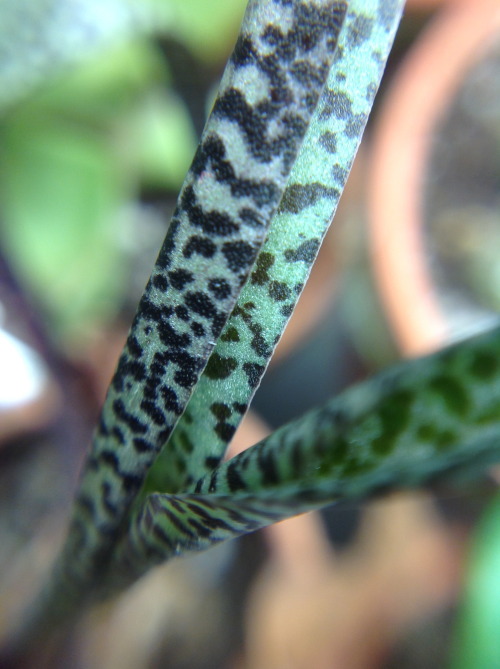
x: 477, y: 641
x: 60, y: 194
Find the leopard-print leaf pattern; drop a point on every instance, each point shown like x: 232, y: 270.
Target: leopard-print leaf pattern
x: 267, y: 96
x: 422, y: 420
x: 305, y: 212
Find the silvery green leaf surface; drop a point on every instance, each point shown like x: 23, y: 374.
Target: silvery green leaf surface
x: 306, y: 210
x: 260, y: 193
x: 266, y: 101
x: 424, y: 420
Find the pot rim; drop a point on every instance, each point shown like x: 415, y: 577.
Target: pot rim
x: 420, y: 93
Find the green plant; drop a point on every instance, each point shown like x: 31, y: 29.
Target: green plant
x: 251, y: 215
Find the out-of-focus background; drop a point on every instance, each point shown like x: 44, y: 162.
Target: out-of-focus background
x: 101, y: 105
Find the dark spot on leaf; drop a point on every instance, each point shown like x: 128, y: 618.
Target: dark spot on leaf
x: 254, y: 373
x: 298, y: 197
x: 394, y: 415
x: 251, y: 218
x: 211, y: 462
x: 233, y: 478
x: 306, y: 251
x: 219, y: 367
x: 225, y: 431
x: 445, y: 439
x: 181, y: 312
x: 355, y: 125
x: 337, y: 104
x: 142, y: 445
x: 278, y: 291
x: 154, y: 413
x: 170, y: 399
x: 171, y: 338
x: 220, y: 410
x: 201, y: 304
x: 179, y: 278
x: 231, y: 334
x: 197, y: 329
x: 339, y: 173
x: 220, y: 288
x: 160, y: 282
x: 427, y: 432
x: 453, y: 394
x: 328, y: 141
x: 260, y: 274
x: 200, y: 245
x: 360, y: 30
x: 238, y: 255
x: 185, y: 377
x: 484, y: 365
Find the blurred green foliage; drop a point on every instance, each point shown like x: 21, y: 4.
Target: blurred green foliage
x: 94, y: 118
x: 477, y: 635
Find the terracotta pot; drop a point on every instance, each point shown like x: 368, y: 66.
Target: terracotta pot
x: 427, y: 81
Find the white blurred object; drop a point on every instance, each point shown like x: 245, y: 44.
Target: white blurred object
x: 28, y: 397
x: 23, y: 376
